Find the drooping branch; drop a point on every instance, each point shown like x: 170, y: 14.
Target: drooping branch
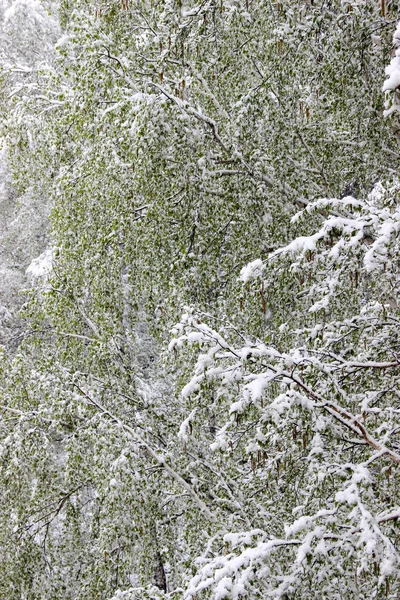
x: 160, y: 459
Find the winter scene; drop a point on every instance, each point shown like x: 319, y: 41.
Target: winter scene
x: 199, y: 299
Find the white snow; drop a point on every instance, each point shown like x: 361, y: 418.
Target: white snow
x: 252, y: 270
x: 42, y: 265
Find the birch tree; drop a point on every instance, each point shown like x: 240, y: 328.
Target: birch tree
x: 228, y: 162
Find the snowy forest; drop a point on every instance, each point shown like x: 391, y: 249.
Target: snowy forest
x: 199, y: 299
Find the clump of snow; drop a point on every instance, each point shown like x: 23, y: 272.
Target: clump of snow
x: 252, y: 270
x: 62, y: 41
x: 183, y: 435
x: 393, y: 72
x: 348, y: 496
x: 259, y: 383
x: 42, y: 265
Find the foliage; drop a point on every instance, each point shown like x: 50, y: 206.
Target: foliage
x: 314, y: 412
x: 255, y: 457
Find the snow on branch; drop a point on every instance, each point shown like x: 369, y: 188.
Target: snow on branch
x: 392, y: 82
x: 321, y: 396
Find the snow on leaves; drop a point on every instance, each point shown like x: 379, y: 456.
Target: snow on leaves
x: 332, y: 400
